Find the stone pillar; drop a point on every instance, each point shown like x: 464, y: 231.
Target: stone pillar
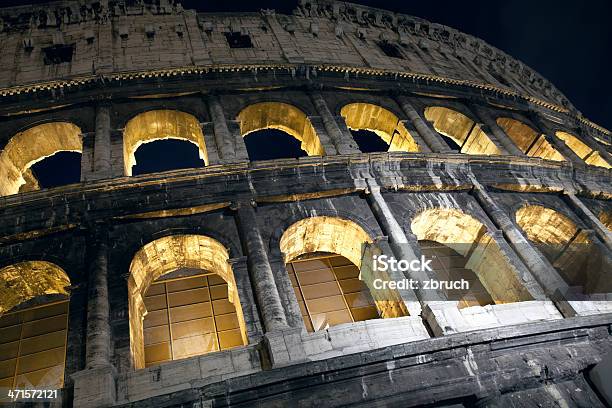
x: 247, y: 301
x: 589, y: 218
x: 95, y: 385
x: 495, y: 131
x: 211, y: 145
x: 240, y: 150
x: 283, y: 343
x: 557, y: 143
x: 416, y: 135
x: 266, y: 292
x: 544, y: 272
x: 223, y: 137
x: 102, y: 143
x: 286, y: 292
x: 402, y: 247
x: 87, y: 157
x: 433, y: 140
x: 338, y: 139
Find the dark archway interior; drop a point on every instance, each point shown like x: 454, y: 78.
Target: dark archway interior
x: 450, y: 143
x: 270, y: 144
x: 369, y: 142
x: 164, y: 155
x: 58, y: 170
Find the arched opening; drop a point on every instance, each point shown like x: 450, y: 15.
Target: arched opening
x: 583, y: 151
x: 461, y: 133
x: 159, y: 125
x: 38, y: 146
x: 568, y: 248
x: 183, y: 300
x: 323, y: 258
x: 287, y: 121
x: 463, y: 249
x: 530, y: 142
x: 33, y: 325
x: 376, y: 129
x: 165, y: 155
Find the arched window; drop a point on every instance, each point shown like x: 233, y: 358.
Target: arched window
x: 530, y: 142
x: 41, y: 147
x: 568, y: 248
x: 33, y: 325
x: 161, y: 125
x: 462, y: 133
x: 376, y: 129
x: 184, y: 287
x: 583, y: 151
x: 463, y: 249
x: 323, y: 258
x: 274, y: 130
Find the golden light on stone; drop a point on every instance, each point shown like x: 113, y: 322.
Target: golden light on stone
x: 529, y: 141
x: 462, y: 130
x: 583, y: 151
x: 155, y: 125
x: 366, y: 116
x: 31, y: 146
x: 281, y: 116
x: 606, y: 219
x: 545, y: 225
x: 469, y: 238
x: 324, y: 234
x: 169, y: 254
x: 23, y: 281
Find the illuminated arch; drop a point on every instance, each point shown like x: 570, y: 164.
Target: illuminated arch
x: 33, y: 338
x: 23, y: 281
x: 568, y: 248
x: 529, y: 141
x: 469, y: 238
x: 169, y: 254
x: 31, y: 146
x: 324, y: 234
x: 155, y: 125
x: 583, y: 151
x: 606, y: 219
x: 366, y: 116
x: 281, y: 116
x: 466, y: 133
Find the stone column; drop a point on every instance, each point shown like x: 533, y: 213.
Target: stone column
x: 283, y: 343
x: 211, y: 145
x: 95, y: 385
x: 247, y: 301
x: 433, y: 140
x: 544, y: 272
x: 223, y: 137
x: 402, y: 247
x: 286, y: 292
x: 557, y: 143
x: 495, y: 131
x: 338, y: 139
x: 416, y: 135
x: 589, y: 218
x: 102, y: 143
x: 266, y: 292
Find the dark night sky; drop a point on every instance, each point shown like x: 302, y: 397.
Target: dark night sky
x: 568, y: 42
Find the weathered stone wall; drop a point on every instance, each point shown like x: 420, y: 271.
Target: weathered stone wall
x: 539, y: 347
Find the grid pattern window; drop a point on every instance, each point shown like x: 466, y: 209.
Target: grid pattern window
x: 33, y: 347
x: 188, y: 317
x: 329, y: 291
x: 449, y: 265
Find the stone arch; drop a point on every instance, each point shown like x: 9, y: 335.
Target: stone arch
x: 160, y: 124
x: 529, y: 141
x: 383, y: 122
x: 606, y: 219
x: 168, y: 254
x: 568, y: 248
x: 470, y: 238
x: 582, y: 150
x: 465, y: 132
x: 22, y: 281
x: 31, y: 146
x: 34, y: 318
x: 281, y: 116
